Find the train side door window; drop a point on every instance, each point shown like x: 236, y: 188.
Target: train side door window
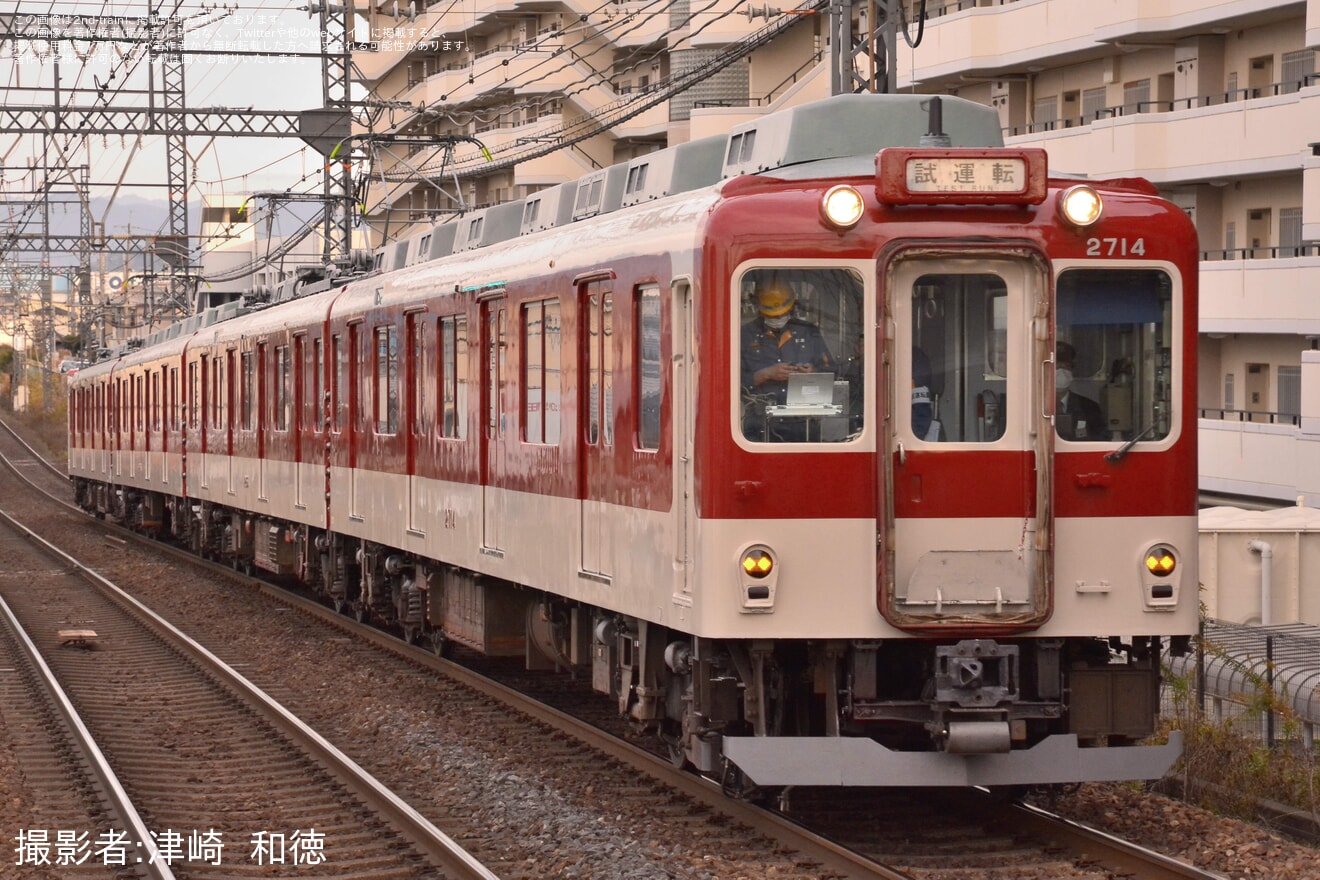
x: 194, y: 394
x: 174, y: 399
x: 387, y: 381
x: 542, y: 359
x: 281, y: 389
x: 1113, y: 355
x: 600, y: 365
x: 802, y: 354
x: 339, y: 388
x: 959, y: 370
x: 249, y: 390
x: 650, y: 380
x: 453, y: 364
x: 316, y: 399
x: 418, y: 414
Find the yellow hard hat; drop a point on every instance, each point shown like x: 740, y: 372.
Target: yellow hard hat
x: 775, y: 299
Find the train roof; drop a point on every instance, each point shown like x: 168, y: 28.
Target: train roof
x: 845, y: 131
x: 837, y: 136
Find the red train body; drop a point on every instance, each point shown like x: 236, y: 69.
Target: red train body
x: 836, y: 457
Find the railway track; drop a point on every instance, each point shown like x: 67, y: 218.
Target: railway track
x: 678, y: 820
x: 214, y: 765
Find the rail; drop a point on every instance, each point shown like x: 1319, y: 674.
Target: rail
x: 113, y: 791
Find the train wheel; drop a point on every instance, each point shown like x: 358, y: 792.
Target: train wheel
x: 361, y: 611
x: 671, y: 734
x: 441, y: 646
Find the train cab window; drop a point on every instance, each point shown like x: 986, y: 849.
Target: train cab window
x: 801, y: 354
x: 960, y: 365
x: 1113, y: 355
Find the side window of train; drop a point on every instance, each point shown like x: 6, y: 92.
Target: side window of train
x: 386, y: 384
x: 650, y: 381
x: 1113, y: 355
x: 453, y: 376
x: 282, y: 402
x: 316, y: 397
x: 959, y: 370
x: 249, y: 391
x: 339, y: 387
x: 542, y: 369
x: 598, y: 304
x: 802, y: 354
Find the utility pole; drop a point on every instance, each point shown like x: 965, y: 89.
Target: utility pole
x: 167, y: 115
x: 864, y: 46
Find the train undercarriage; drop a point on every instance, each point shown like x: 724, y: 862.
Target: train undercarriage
x: 911, y: 697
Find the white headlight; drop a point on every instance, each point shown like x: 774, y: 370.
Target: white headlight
x: 1081, y: 205
x: 843, y: 206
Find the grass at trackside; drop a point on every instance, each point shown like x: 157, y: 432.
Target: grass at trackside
x: 45, y: 428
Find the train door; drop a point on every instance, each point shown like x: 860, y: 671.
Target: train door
x: 262, y: 416
x: 596, y: 305
x: 298, y: 422
x: 237, y: 384
x: 353, y: 424
x: 414, y: 369
x: 967, y: 505
x: 685, y: 349
x: 117, y: 407
x: 493, y: 369
x: 205, y: 439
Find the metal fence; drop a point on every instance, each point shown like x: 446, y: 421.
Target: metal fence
x: 1235, y: 669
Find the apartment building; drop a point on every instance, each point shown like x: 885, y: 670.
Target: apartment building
x: 1216, y: 103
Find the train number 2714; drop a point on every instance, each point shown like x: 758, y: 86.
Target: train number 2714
x: 1116, y: 247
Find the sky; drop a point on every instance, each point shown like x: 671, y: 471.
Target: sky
x: 113, y: 74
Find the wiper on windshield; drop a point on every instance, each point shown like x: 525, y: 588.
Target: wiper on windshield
x: 1121, y: 452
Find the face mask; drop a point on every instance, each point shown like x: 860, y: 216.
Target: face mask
x: 777, y: 323
x: 1062, y: 379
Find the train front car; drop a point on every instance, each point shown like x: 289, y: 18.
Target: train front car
x: 945, y: 468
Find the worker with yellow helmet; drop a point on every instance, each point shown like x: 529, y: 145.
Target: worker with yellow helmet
x: 777, y: 343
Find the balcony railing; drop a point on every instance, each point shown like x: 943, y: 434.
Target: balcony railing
x: 1242, y: 415
x: 1139, y: 108
x: 1308, y: 249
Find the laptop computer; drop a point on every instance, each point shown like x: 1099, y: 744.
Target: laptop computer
x: 810, y: 390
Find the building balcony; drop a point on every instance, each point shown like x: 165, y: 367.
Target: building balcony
x: 652, y: 122
x: 1265, y: 454
x: 1197, y: 140
x: 1257, y: 459
x: 635, y: 24
x: 984, y: 37
x: 1260, y: 291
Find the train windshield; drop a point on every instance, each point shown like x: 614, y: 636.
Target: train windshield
x: 1113, y: 351
x: 802, y: 354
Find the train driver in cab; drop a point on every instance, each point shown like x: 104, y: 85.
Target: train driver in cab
x: 777, y: 343
x: 1076, y: 417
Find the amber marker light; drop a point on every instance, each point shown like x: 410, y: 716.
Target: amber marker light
x: 1160, y: 561
x: 842, y: 206
x: 758, y: 563
x: 1081, y: 205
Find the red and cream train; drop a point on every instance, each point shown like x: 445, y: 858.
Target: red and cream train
x: 842, y: 450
